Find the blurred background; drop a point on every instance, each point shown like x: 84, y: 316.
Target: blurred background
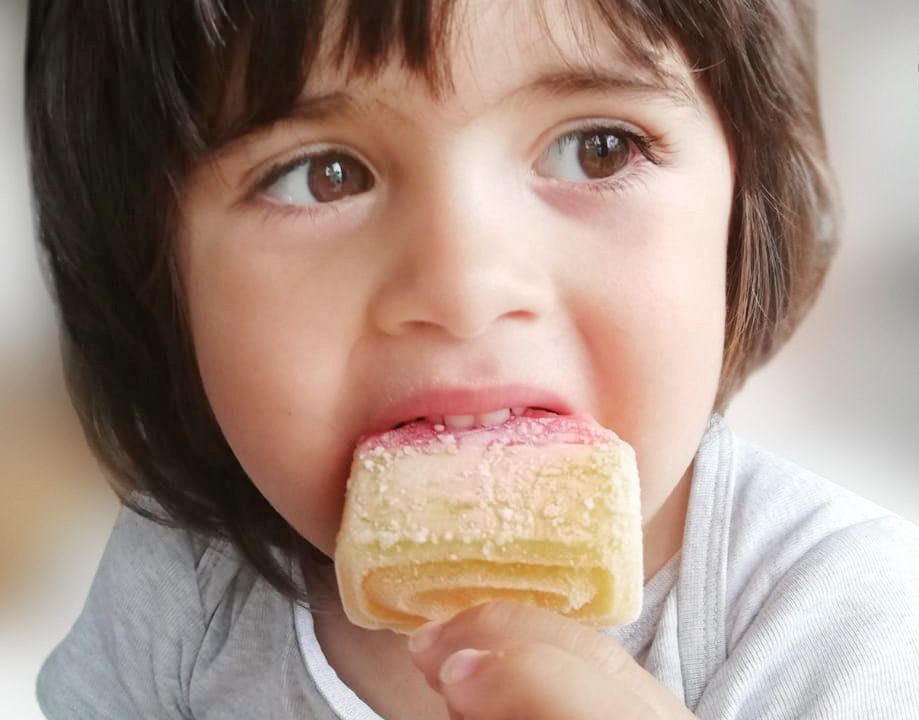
x: 841, y: 399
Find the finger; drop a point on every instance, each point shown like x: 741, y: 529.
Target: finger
x: 500, y: 626
x: 537, y: 682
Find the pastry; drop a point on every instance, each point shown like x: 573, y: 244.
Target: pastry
x: 542, y: 509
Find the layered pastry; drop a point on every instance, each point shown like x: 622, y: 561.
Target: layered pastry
x: 542, y: 509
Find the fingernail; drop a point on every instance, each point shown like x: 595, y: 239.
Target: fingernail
x: 425, y: 636
x: 460, y: 665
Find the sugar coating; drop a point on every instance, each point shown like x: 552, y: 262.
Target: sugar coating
x: 529, y: 429
x: 510, y: 493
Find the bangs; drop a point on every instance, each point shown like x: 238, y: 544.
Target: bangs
x: 252, y: 60
x: 247, y: 63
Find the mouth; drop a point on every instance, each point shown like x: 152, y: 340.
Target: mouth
x: 490, y: 418
x: 459, y: 408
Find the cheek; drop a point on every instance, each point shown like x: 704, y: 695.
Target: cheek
x: 655, y: 327
x: 663, y: 317
x: 658, y: 273
x: 273, y: 357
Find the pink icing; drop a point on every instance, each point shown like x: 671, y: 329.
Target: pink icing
x: 534, y: 428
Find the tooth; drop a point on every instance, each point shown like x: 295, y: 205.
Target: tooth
x: 495, y: 417
x: 459, y: 422
x: 517, y: 410
x: 435, y: 419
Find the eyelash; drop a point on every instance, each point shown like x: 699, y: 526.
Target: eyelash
x: 647, y: 146
x: 272, y: 210
x: 279, y: 211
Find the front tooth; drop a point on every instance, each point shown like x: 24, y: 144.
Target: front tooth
x: 495, y: 417
x: 459, y: 422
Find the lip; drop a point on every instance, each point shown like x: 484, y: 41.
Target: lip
x: 467, y: 401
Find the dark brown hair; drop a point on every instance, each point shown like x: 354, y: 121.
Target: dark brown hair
x: 125, y: 97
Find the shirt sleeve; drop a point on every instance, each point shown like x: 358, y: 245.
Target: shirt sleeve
x: 837, y: 638
x: 132, y: 650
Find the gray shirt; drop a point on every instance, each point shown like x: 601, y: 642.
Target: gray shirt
x: 791, y: 598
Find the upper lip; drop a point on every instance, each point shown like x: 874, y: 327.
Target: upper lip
x: 467, y: 401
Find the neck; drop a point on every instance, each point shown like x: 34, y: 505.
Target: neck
x: 356, y: 654
x: 662, y: 534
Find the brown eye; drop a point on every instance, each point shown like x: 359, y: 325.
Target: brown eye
x: 602, y: 154
x: 590, y: 155
x: 336, y: 175
x: 319, y: 179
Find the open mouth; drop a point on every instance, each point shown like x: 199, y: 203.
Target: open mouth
x: 486, y: 419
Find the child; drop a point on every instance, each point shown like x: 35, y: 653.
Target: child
x: 274, y: 227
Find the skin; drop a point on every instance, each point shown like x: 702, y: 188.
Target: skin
x: 473, y: 262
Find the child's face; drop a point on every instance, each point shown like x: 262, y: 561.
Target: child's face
x: 515, y: 243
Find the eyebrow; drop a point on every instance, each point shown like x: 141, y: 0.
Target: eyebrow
x: 581, y: 80
x: 554, y: 84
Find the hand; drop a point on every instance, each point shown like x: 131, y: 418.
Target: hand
x: 506, y: 661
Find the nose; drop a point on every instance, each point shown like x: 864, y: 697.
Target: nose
x: 463, y: 263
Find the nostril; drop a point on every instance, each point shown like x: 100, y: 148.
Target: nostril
x: 520, y: 315
x: 463, y: 302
